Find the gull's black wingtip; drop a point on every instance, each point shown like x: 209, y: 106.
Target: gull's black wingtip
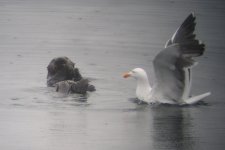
x: 192, y: 14
x: 190, y: 19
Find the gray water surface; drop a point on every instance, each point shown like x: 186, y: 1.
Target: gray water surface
x: 105, y: 38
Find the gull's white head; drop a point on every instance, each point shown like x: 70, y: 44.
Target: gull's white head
x: 143, y: 87
x: 137, y: 73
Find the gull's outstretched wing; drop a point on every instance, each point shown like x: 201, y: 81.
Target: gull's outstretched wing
x: 185, y: 32
x: 172, y: 65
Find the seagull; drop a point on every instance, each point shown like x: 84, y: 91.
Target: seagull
x: 172, y: 67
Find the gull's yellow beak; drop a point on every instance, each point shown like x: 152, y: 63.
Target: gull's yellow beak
x: 126, y: 75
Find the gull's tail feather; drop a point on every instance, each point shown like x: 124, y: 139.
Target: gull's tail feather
x: 197, y: 98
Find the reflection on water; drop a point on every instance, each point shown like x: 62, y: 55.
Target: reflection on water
x: 172, y: 128
x: 167, y: 127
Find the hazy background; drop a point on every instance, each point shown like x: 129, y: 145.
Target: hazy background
x: 105, y: 38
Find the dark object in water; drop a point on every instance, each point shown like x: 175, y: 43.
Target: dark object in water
x: 69, y: 86
x: 63, y: 74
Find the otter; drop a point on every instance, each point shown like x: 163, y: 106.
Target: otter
x: 63, y: 75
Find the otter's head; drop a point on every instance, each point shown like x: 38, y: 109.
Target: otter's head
x: 60, y: 69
